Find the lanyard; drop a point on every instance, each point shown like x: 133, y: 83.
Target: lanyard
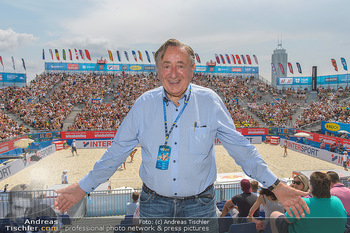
x: 177, y: 118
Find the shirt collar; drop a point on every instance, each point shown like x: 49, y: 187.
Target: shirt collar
x: 185, y: 96
x: 338, y: 185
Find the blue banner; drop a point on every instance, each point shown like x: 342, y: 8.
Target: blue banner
x: 334, y: 127
x: 13, y: 78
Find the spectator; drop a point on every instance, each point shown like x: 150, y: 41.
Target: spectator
x: 243, y: 201
x: 327, y: 213
x: 339, y: 190
x: 131, y: 206
x: 254, y: 186
x: 323, y: 144
x: 301, y: 182
x: 270, y: 203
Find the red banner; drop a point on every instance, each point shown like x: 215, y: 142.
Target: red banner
x: 334, y: 63
x: 87, y: 134
x: 9, y: 145
x: 253, y: 131
x: 233, y: 59
x: 238, y: 59
x: 290, y: 67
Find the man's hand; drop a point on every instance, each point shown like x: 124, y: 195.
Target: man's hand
x: 68, y: 197
x: 291, y: 200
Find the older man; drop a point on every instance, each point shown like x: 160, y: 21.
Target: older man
x: 176, y: 125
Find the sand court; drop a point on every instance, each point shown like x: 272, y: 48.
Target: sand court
x: 48, y: 171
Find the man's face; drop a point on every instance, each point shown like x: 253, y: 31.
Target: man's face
x: 175, y: 72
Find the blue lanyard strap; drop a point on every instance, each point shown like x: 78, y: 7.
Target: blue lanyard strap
x: 177, y: 118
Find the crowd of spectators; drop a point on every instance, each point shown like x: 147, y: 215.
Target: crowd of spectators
x: 47, y: 101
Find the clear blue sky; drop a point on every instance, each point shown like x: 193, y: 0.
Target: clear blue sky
x: 312, y: 31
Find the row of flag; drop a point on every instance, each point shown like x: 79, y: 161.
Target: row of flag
x: 13, y: 63
x: 236, y: 59
x: 82, y: 54
x: 135, y: 55
x: 290, y: 67
x: 343, y: 62
x: 78, y: 53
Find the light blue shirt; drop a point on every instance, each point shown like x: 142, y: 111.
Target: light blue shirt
x: 192, y: 166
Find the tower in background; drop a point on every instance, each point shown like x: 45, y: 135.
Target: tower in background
x: 279, y: 56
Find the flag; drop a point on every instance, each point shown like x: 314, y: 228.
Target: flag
x: 81, y: 54
x: 197, y: 57
x: 290, y: 67
x: 24, y: 64
x: 51, y: 54
x: 344, y: 63
x: 43, y: 54
x: 217, y: 58
x: 238, y: 59
x: 76, y: 54
x: 299, y: 67
x: 273, y: 69
x: 334, y: 63
x: 110, y: 55
x: 63, y: 54
x: 243, y: 59
x: 233, y: 59
x: 222, y: 59
x: 140, y: 56
x: 281, y: 68
x: 2, y: 63
x: 118, y: 56
x: 134, y: 54
x: 70, y: 54
x: 57, y: 54
x: 13, y: 63
x: 255, y: 59
x: 248, y: 59
x: 126, y: 55
x: 148, y: 57
x: 87, y: 54
x: 228, y: 59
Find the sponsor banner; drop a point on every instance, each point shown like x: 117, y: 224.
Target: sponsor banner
x: 135, y: 67
x: 13, y: 167
x: 285, y: 81
x: 237, y: 70
x: 9, y: 145
x: 87, y: 134
x: 113, y: 67
x: 45, y: 136
x: 72, y: 66
x: 149, y: 67
x: 13, y: 78
x: 253, y: 131
x: 252, y: 139
x: 325, y: 155
x: 55, y: 66
x: 201, y: 68
x: 92, y: 144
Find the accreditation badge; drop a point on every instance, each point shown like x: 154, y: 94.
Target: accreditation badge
x: 163, y: 157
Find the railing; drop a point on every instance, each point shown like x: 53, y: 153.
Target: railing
x: 39, y: 203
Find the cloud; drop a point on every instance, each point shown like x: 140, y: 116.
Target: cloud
x: 10, y: 39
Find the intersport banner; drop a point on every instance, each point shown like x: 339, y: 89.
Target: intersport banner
x: 13, y: 167
x: 325, y: 155
x: 94, y: 144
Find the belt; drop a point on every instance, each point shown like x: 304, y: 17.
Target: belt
x: 201, y: 195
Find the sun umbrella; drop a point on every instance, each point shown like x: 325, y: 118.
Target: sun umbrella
x: 343, y: 131
x: 302, y: 134
x: 23, y: 143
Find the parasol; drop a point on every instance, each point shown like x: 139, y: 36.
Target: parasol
x: 343, y: 131
x: 23, y: 143
x: 302, y: 134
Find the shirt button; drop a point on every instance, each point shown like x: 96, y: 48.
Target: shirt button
x: 174, y: 179
x: 175, y: 193
x: 176, y: 126
x: 175, y: 143
x: 177, y: 109
x: 174, y: 161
